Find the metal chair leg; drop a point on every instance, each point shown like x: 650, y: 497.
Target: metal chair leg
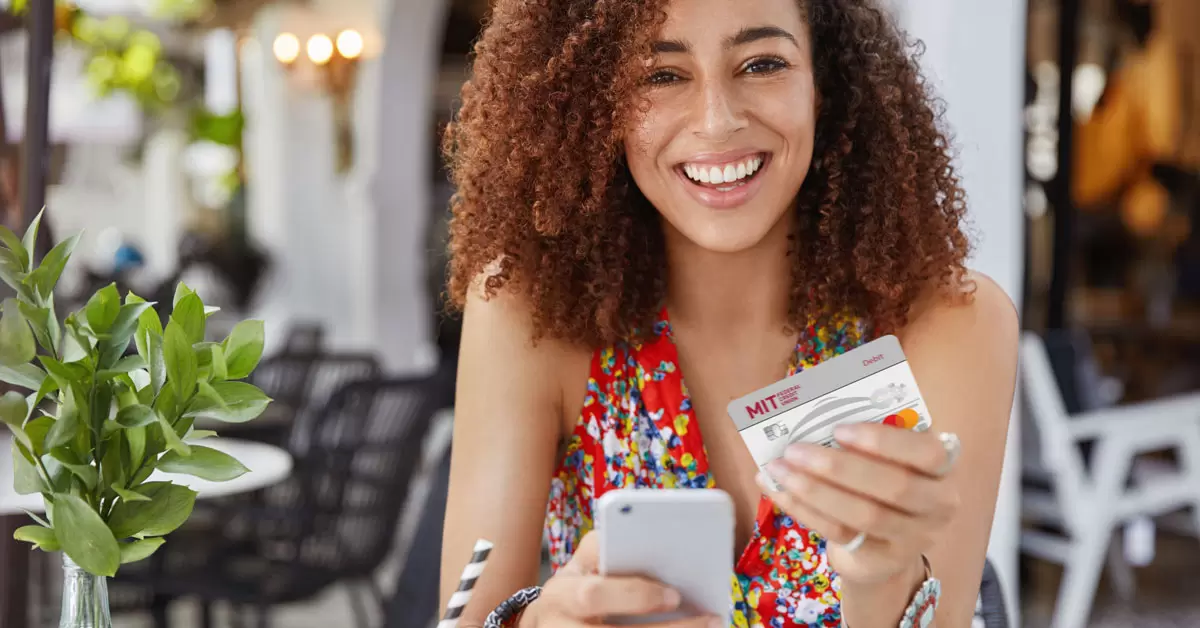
x: 264, y: 616
x: 159, y: 605
x: 206, y: 614
x: 362, y: 618
x: 376, y: 592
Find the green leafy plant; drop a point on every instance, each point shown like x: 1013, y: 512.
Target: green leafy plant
x: 99, y: 419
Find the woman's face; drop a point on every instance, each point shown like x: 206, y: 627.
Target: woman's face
x: 728, y: 136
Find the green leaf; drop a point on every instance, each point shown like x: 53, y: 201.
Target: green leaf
x: 12, y: 274
x: 37, y: 429
x: 65, y: 427
x: 205, y: 463
x: 126, y: 391
x: 14, y: 409
x: 149, y: 327
x: 209, y: 310
x: 136, y: 416
x: 240, y: 402
x: 13, y: 243
x: 67, y: 375
x: 26, y: 480
x: 115, y: 465
x: 140, y: 378
x: 174, y: 443
x: 220, y: 369
x: 49, y: 386
x: 156, y: 362
x: 41, y: 538
x: 244, y: 348
x: 43, y: 279
x: 42, y: 522
x: 166, y: 403
x: 44, y: 326
x: 129, y: 495
x: 30, y: 240
x: 27, y: 376
x: 189, y: 315
x: 136, y: 439
x: 84, y: 537
x: 60, y: 477
x: 134, y: 551
x: 141, y: 475
x: 75, y: 347
x: 16, y: 339
x: 101, y: 406
x: 169, y: 506
x: 129, y: 319
x: 127, y: 364
x: 85, y: 472
x: 102, y: 309
x: 181, y: 290
x: 196, y: 435
x: 181, y: 361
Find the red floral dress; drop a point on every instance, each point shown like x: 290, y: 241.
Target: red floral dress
x: 638, y: 429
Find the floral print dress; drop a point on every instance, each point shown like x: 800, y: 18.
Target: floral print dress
x: 637, y: 429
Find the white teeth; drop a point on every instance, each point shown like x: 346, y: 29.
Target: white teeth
x: 730, y: 173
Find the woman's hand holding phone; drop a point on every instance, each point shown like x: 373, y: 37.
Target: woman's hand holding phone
x: 579, y: 596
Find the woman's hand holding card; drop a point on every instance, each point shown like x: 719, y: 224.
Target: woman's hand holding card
x: 881, y: 499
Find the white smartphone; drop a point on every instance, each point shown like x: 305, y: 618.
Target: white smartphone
x: 680, y: 537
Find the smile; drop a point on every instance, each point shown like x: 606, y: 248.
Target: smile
x: 726, y: 176
x: 724, y: 182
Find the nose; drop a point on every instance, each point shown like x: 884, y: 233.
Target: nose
x: 720, y: 114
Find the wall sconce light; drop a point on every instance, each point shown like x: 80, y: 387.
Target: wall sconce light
x: 335, y: 60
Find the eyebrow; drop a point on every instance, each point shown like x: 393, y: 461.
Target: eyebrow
x: 745, y: 36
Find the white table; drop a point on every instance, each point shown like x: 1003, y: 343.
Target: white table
x: 268, y: 465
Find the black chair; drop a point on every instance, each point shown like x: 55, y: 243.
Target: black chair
x: 991, y: 611
x: 314, y: 378
x: 334, y: 521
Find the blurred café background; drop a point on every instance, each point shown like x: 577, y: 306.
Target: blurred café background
x: 281, y: 157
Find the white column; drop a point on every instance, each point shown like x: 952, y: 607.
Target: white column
x: 167, y: 200
x: 402, y: 185
x: 975, y: 56
x: 265, y: 107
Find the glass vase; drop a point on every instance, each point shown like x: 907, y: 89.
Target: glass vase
x: 84, y: 598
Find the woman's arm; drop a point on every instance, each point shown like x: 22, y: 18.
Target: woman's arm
x: 887, y: 495
x: 506, y: 432
x: 964, y: 358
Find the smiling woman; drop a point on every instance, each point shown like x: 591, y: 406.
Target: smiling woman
x: 738, y: 189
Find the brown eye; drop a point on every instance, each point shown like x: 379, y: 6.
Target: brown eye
x: 662, y: 77
x: 765, y: 65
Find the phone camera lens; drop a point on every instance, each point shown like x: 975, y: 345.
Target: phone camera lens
x: 626, y: 509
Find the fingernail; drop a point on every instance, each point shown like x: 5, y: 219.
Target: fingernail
x: 671, y: 599
x: 796, y: 454
x: 846, y: 434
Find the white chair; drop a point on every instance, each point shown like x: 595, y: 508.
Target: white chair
x: 1092, y: 500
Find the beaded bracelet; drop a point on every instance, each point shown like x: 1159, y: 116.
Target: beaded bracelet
x: 509, y: 611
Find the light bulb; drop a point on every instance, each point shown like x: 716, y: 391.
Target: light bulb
x: 350, y: 44
x: 286, y: 47
x: 320, y: 49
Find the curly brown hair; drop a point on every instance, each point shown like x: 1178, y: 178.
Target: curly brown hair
x: 547, y: 206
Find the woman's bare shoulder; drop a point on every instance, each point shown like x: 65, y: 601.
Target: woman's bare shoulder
x: 499, y: 337
x: 976, y: 311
